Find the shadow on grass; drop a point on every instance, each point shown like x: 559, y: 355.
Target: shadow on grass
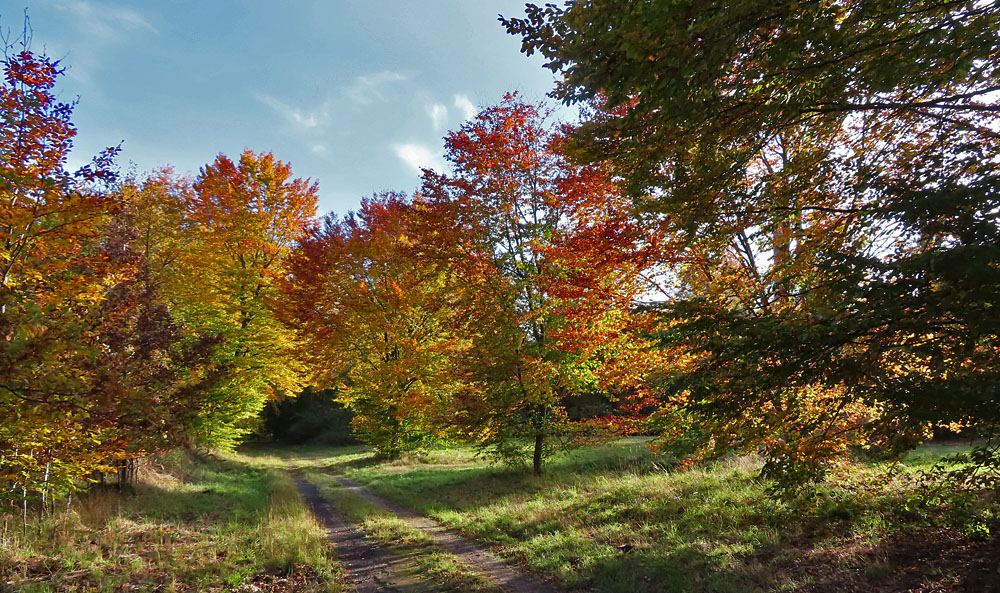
x: 334, y: 460
x: 930, y: 560
x: 343, y: 467
x: 217, y: 489
x: 682, y: 569
x: 617, y: 519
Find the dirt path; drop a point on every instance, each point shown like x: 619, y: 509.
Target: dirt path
x: 481, y: 560
x: 368, y: 570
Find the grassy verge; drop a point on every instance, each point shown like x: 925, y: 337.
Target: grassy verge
x: 220, y: 524
x: 418, y: 557
x: 617, y: 519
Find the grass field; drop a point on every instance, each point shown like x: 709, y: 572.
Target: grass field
x: 607, y: 519
x: 216, y: 524
x: 616, y: 519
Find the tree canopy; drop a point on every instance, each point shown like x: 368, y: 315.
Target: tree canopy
x: 830, y: 168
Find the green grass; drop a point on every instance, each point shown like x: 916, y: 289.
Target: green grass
x: 615, y: 518
x: 213, y: 525
x: 606, y: 519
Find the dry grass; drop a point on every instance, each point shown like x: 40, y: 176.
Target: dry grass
x: 220, y: 524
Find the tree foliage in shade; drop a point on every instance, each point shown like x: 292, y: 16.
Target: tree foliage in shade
x: 153, y: 377
x: 706, y: 82
x: 831, y: 168
x: 312, y: 416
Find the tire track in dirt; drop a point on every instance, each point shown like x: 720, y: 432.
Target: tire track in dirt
x: 481, y: 560
x: 368, y: 569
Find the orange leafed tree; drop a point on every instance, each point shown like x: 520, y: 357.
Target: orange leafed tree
x: 381, y: 320
x: 52, y: 277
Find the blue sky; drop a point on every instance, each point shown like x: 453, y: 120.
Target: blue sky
x: 355, y: 94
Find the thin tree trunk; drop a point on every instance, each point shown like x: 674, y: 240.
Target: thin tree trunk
x: 537, y: 459
x: 781, y: 252
x: 24, y: 512
x: 45, y: 486
x: 24, y: 501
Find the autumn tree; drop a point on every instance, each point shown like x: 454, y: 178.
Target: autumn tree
x: 830, y: 168
x: 154, y: 210
x: 89, y: 372
x: 53, y: 274
x: 555, y: 266
x: 381, y: 321
x: 94, y: 371
x: 241, y: 219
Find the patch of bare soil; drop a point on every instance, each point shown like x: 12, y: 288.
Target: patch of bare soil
x: 302, y: 578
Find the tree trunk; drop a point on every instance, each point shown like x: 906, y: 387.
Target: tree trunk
x: 45, y: 486
x: 537, y: 459
x: 781, y: 251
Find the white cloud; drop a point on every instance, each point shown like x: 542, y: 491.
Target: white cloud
x: 100, y: 27
x: 308, y: 120
x: 367, y: 88
x: 418, y: 156
x: 103, y: 22
x: 438, y: 114
x: 320, y: 149
x: 464, y: 105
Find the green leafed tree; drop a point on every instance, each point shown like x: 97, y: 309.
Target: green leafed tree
x: 831, y: 169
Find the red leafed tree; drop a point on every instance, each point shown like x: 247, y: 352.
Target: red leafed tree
x: 557, y: 267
